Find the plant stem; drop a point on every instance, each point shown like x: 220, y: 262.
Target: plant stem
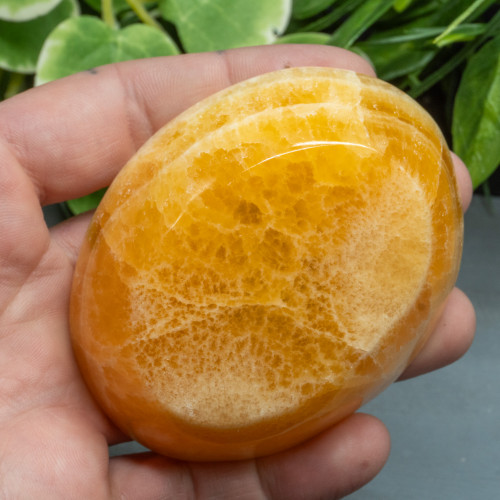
x: 464, y: 15
x: 359, y: 21
x: 143, y: 14
x: 14, y: 86
x: 451, y: 64
x: 332, y: 17
x: 108, y: 16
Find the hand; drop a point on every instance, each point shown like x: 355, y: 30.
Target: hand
x: 67, y: 139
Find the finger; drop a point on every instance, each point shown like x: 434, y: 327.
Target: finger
x: 451, y: 338
x: 24, y: 237
x: 332, y: 465
x: 69, y: 234
x: 74, y: 134
x: 335, y: 463
x: 464, y: 181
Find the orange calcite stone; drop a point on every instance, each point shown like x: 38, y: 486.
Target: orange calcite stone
x: 270, y: 260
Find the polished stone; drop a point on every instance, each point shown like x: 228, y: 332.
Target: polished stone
x: 266, y: 263
x: 445, y: 426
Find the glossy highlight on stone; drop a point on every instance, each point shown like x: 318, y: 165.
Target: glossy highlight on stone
x: 269, y: 261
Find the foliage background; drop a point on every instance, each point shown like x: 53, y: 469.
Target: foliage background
x: 445, y: 53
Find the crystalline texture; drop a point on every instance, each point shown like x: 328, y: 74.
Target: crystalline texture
x: 269, y: 261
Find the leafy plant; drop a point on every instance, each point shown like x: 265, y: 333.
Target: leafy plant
x: 476, y: 117
x: 446, y: 53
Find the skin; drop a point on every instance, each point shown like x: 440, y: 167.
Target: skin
x: 69, y: 138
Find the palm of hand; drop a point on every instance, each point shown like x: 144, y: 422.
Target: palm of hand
x: 51, y: 428
x: 53, y: 438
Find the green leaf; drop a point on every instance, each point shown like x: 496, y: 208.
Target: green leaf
x: 21, y: 42
x: 331, y: 17
x: 17, y: 82
x: 86, y: 42
x: 24, y: 10
x: 460, y: 19
x: 492, y: 28
x: 465, y: 32
x: 362, y: 19
x: 118, y: 5
x: 218, y: 24
x: 401, y: 5
x: 462, y: 33
x: 404, y: 34
x: 418, y: 13
x: 168, y: 10
x: 314, y: 38
x: 448, y: 13
x: 476, y: 116
x: 85, y: 203
x: 393, y: 61
x: 303, y: 9
x: 398, y: 52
